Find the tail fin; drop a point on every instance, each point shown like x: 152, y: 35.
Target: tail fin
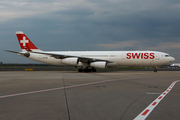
x: 25, y: 43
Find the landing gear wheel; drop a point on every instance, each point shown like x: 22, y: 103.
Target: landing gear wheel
x: 80, y: 70
x: 93, y: 70
x: 87, y: 70
x: 155, y: 70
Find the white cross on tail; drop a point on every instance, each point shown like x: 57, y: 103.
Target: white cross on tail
x: 24, y: 41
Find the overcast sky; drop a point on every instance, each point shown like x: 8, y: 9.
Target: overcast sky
x: 90, y: 25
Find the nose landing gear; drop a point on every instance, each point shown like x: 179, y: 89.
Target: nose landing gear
x: 155, y: 70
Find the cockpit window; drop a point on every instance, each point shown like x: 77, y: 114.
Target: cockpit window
x: 167, y: 55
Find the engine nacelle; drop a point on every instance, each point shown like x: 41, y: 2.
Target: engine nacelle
x: 70, y: 61
x: 98, y: 64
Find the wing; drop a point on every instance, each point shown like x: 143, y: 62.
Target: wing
x: 81, y: 59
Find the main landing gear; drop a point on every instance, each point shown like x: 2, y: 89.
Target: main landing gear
x: 87, y: 70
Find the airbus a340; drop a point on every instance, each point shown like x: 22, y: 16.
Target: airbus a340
x: 88, y: 61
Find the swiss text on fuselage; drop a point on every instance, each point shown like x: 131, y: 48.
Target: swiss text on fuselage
x: 140, y: 56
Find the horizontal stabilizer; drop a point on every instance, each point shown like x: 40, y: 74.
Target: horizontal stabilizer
x: 26, y: 54
x: 12, y: 51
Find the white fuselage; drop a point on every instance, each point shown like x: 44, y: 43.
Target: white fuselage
x: 119, y: 58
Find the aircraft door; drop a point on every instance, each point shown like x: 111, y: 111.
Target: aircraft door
x: 123, y: 57
x: 157, y: 56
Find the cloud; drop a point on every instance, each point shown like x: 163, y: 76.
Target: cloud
x: 166, y: 46
x: 142, y: 45
x: 101, y: 10
x: 92, y: 24
x: 11, y: 9
x: 121, y: 44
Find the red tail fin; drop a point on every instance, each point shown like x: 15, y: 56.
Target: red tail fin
x: 25, y: 43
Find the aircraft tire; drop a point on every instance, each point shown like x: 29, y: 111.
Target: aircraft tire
x: 87, y: 70
x: 155, y: 70
x: 80, y: 70
x: 94, y: 70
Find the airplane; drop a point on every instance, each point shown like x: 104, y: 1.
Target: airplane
x: 88, y: 61
x: 175, y: 65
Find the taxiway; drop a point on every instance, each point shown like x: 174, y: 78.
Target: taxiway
x: 61, y: 95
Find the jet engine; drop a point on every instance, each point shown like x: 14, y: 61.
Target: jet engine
x: 98, y: 64
x: 70, y: 61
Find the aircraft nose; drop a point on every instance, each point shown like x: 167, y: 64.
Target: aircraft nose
x: 172, y: 59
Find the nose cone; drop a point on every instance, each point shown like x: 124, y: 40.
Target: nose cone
x: 172, y: 59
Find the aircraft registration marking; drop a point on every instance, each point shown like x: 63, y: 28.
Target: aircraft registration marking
x: 144, y: 114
